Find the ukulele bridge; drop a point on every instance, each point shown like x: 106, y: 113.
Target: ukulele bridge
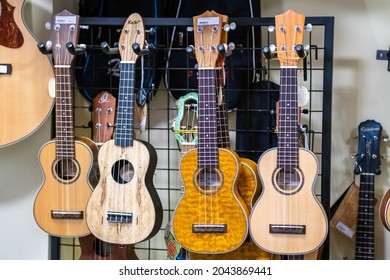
x: 287, y: 229
x: 71, y: 215
x: 120, y: 217
x: 209, y: 228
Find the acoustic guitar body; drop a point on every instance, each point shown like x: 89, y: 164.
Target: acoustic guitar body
x: 124, y: 207
x: 297, y: 218
x: 216, y: 205
x: 59, y: 207
x: 24, y: 78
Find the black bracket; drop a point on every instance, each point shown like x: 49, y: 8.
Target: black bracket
x: 383, y: 55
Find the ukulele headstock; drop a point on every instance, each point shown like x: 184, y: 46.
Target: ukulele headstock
x: 208, y: 35
x: 132, y: 37
x: 289, y: 28
x: 368, y: 159
x: 65, y: 29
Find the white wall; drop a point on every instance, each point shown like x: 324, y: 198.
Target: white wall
x: 360, y: 92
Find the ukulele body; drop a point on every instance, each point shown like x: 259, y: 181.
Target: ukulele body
x: 125, y: 191
x: 297, y: 216
x: 65, y: 192
x: 222, y: 206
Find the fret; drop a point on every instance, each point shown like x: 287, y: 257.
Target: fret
x: 124, y: 125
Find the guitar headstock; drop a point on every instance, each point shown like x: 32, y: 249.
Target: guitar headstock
x: 368, y: 155
x: 133, y: 34
x: 65, y: 27
x: 289, y: 33
x: 208, y: 34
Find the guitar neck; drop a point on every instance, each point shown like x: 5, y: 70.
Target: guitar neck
x: 287, y: 156
x: 365, y: 244
x: 208, y: 146
x: 125, y: 112
x: 65, y: 147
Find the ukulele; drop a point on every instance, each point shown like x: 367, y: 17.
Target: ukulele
x: 249, y: 187
x: 66, y: 161
x: 210, y: 217
x: 288, y: 219
x: 24, y: 77
x: 103, y: 118
x: 125, y: 207
x: 367, y: 164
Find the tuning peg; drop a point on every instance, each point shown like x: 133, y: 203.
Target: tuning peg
x: 228, y: 27
x: 309, y: 27
x: 76, y: 51
x: 107, y: 49
x: 385, y: 138
x: 190, y: 50
x: 384, y: 156
x: 226, y: 49
x: 45, y: 48
x: 271, y: 28
x: 270, y: 52
x: 151, y: 31
x: 353, y: 155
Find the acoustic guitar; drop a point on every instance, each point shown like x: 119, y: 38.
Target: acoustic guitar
x: 288, y: 219
x: 103, y: 118
x: 24, y: 77
x: 125, y: 207
x: 66, y: 161
x: 210, y: 217
x: 367, y: 164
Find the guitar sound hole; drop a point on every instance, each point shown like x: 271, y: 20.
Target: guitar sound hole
x: 209, y: 180
x: 288, y: 180
x: 66, y: 169
x: 122, y: 171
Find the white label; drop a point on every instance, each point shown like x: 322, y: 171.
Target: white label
x: 3, y: 69
x: 65, y: 19
x: 345, y: 229
x: 208, y: 21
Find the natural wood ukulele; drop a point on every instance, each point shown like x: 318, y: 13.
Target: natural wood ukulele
x: 125, y: 207
x: 288, y: 219
x: 24, y: 77
x: 211, y: 217
x: 103, y: 118
x: 66, y: 161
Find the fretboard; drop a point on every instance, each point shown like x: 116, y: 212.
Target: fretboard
x: 65, y: 147
x: 124, y: 124
x: 287, y: 150
x: 207, y: 126
x: 364, y: 248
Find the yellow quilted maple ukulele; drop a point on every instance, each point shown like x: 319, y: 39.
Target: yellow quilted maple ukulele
x: 211, y: 217
x: 66, y: 161
x: 288, y: 219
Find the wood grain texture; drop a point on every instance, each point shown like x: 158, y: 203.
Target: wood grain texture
x: 138, y: 196
x: 300, y: 208
x: 25, y: 102
x: 249, y: 188
x: 57, y: 195
x: 223, y: 207
x: 384, y: 210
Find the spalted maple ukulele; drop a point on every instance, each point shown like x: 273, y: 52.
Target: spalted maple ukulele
x: 66, y: 161
x: 288, y: 219
x: 211, y: 217
x: 125, y: 207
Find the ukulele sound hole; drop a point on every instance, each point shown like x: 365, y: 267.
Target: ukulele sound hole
x: 288, y: 181
x: 122, y: 171
x: 67, y: 170
x: 209, y: 180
